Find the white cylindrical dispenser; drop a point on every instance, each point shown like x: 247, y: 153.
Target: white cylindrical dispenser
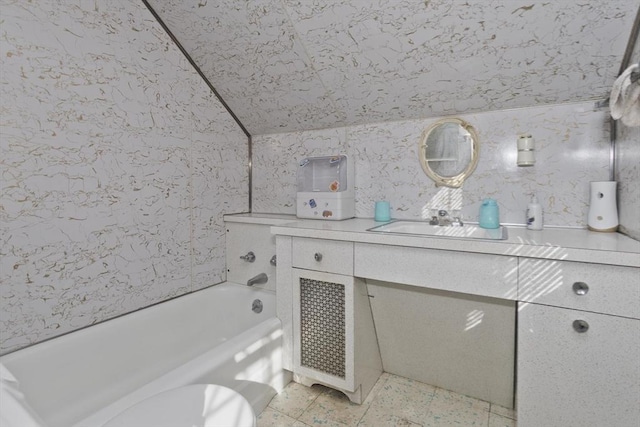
x: 534, y: 214
x: 603, y: 209
x: 526, y: 151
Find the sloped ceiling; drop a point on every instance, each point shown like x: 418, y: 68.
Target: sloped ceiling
x: 289, y: 65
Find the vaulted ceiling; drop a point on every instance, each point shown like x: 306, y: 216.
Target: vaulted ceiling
x: 289, y: 65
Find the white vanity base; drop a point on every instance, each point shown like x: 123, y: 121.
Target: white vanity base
x: 579, y: 308
x: 356, y: 396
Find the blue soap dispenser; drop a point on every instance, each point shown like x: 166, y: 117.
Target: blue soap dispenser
x: 489, y: 214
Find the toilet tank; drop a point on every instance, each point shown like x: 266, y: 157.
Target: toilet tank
x: 325, y: 188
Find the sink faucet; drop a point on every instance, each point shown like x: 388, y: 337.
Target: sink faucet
x: 259, y: 279
x: 444, y: 220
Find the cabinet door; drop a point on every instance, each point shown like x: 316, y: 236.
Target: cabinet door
x: 577, y: 368
x: 323, y: 327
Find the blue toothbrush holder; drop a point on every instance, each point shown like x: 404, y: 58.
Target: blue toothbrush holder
x: 489, y: 214
x: 382, y: 212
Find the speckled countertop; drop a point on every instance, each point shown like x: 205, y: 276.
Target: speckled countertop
x: 568, y: 244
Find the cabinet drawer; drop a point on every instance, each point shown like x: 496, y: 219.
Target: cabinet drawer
x: 332, y: 256
x: 476, y: 274
x: 591, y: 287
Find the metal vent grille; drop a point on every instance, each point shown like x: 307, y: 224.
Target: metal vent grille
x: 322, y: 326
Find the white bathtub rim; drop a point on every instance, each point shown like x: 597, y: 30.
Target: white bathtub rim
x: 69, y: 413
x: 153, y: 306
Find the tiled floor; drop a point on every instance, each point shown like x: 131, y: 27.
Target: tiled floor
x: 394, y: 401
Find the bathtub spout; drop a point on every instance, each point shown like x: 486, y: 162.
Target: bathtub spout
x: 259, y: 279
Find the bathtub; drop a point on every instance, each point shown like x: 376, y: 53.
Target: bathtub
x: 84, y: 378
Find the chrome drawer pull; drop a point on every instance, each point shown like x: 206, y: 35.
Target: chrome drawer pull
x: 580, y: 326
x: 318, y: 256
x: 580, y: 288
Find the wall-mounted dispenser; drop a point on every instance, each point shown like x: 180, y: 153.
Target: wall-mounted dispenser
x: 526, y: 151
x: 325, y: 188
x: 603, y: 209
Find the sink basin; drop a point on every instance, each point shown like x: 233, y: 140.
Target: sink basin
x: 420, y: 228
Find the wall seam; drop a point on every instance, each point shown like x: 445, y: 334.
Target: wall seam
x: 213, y: 90
x: 613, y: 130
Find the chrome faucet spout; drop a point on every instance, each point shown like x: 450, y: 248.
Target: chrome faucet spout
x: 259, y: 279
x: 443, y: 218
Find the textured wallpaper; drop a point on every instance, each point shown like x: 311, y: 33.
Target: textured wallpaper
x: 296, y: 65
x: 117, y: 165
x: 572, y: 142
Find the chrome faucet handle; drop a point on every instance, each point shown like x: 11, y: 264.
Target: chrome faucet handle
x: 433, y: 220
x: 249, y: 257
x: 457, y: 221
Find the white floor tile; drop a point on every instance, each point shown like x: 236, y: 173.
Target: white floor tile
x: 394, y: 402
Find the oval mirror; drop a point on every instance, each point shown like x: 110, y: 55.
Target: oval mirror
x: 449, y: 152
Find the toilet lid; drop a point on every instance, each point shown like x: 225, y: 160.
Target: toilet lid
x: 200, y: 405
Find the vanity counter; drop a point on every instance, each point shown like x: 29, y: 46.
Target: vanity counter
x: 566, y: 244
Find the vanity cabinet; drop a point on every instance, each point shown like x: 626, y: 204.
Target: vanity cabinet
x: 575, y: 308
x: 328, y: 309
x: 578, y: 344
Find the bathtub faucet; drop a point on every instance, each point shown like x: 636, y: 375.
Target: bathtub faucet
x: 259, y: 279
